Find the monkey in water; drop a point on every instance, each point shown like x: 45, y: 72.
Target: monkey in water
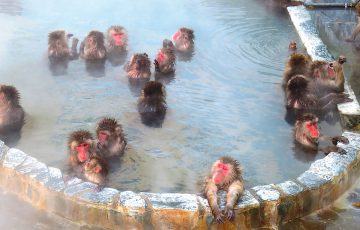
x: 225, y: 175
x: 11, y: 113
x: 308, y: 135
x: 110, y: 138
x: 96, y: 171
x: 165, y: 58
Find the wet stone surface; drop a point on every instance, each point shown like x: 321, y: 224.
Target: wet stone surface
x: 79, y: 188
x: 311, y: 180
x: 267, y: 192
x: 55, y: 181
x: 172, y: 201
x: 290, y: 188
x: 247, y: 200
x: 105, y: 196
x: 309, y: 34
x: 14, y: 158
x: 131, y: 200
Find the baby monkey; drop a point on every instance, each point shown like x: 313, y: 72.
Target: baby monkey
x: 96, y: 171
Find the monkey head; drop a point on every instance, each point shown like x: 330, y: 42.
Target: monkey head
x: 94, y: 39
x: 323, y: 70
x: 117, y: 36
x: 292, y: 46
x: 224, y: 171
x: 183, y: 39
x: 139, y: 66
x: 94, y: 165
x: 9, y: 96
x: 80, y: 146
x: 153, y: 89
x: 108, y: 130
x: 308, y: 125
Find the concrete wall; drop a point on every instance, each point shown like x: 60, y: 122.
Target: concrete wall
x: 261, y: 206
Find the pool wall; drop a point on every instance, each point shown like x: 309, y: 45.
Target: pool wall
x: 261, y: 206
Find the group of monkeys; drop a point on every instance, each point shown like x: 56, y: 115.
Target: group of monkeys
x: 311, y: 87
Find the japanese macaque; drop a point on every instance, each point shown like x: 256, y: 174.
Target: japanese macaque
x: 308, y: 135
x: 11, y: 113
x: 116, y: 45
x: 297, y: 64
x: 58, y: 48
x: 328, y: 76
x: 96, y: 171
x: 152, y: 105
x: 184, y: 40
x: 165, y: 58
x: 117, y: 38
x: 298, y: 96
x: 110, y: 138
x: 81, y: 147
x: 93, y: 48
x: 292, y: 46
x: 139, y: 66
x: 225, y: 175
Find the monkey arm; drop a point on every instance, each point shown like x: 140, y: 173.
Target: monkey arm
x: 211, y: 195
x: 355, y: 32
x: 330, y: 101
x: 235, y: 190
x: 73, y: 52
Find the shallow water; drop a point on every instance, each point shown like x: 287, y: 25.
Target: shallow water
x: 224, y: 100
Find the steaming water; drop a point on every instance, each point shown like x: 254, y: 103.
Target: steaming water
x: 225, y: 100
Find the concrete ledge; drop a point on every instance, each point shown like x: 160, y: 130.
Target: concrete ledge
x: 261, y: 206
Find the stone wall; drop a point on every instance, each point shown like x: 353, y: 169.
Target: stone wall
x: 261, y: 206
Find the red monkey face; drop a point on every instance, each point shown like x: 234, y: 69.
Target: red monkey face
x: 103, y: 137
x: 160, y: 57
x: 313, y: 130
x: 220, y: 173
x: 118, y: 38
x: 83, y: 152
x: 331, y: 71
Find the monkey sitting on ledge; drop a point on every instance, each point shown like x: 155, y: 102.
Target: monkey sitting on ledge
x: 225, y: 175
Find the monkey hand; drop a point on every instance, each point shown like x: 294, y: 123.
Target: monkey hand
x: 349, y: 39
x: 219, y: 218
x: 156, y: 64
x: 335, y: 140
x: 229, y: 213
x: 99, y: 188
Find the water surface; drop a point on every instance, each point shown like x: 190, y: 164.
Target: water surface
x: 224, y: 100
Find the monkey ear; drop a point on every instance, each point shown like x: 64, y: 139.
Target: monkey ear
x: 98, y: 169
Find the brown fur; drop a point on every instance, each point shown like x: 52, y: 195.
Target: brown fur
x: 302, y: 135
x: 298, y: 64
x: 76, y: 138
x: 152, y: 105
x: 58, y: 47
x: 111, y: 46
x: 168, y: 65
x: 298, y: 95
x: 232, y: 183
x: 116, y: 142
x: 11, y: 113
x: 96, y: 177
x: 139, y: 66
x: 185, y: 42
x: 93, y: 48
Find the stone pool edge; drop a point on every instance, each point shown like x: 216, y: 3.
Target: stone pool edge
x: 261, y: 206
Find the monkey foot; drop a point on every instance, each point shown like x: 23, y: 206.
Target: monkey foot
x: 342, y: 139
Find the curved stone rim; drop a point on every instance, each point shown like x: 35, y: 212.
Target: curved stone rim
x: 266, y: 205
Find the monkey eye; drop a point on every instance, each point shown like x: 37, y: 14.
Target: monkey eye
x: 83, y: 145
x: 331, y: 65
